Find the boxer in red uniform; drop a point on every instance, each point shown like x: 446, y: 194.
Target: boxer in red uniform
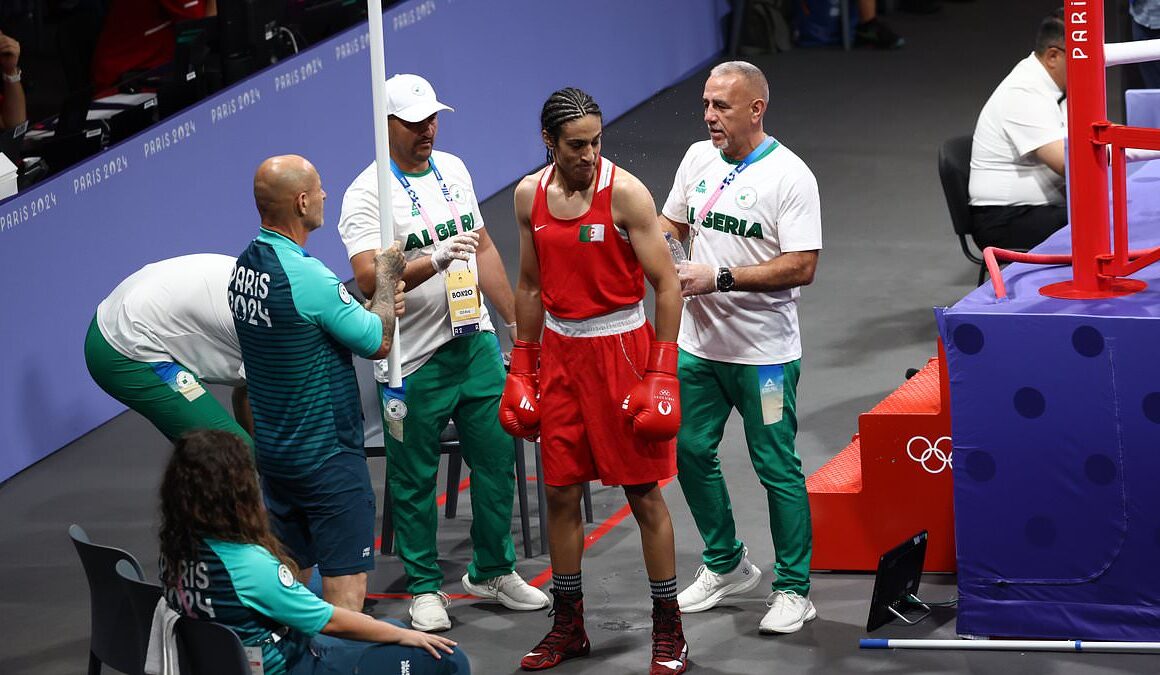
x: 602, y: 392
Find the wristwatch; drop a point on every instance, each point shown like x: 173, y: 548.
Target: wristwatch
x: 724, y: 279
x: 14, y: 78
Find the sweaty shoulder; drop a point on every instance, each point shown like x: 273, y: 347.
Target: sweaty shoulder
x: 627, y: 186
x: 526, y: 190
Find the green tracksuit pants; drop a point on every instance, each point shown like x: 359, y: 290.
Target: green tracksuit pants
x: 463, y: 381
x: 156, y: 390
x: 766, y: 398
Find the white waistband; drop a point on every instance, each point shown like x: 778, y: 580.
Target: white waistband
x: 613, y: 323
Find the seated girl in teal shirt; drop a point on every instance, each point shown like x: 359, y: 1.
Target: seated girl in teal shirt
x: 220, y: 562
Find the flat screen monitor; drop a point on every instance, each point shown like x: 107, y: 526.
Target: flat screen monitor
x: 896, y: 582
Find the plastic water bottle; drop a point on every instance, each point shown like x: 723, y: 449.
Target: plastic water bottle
x: 677, y: 252
x: 676, y: 249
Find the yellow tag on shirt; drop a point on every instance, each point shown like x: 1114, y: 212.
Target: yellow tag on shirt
x: 463, y: 300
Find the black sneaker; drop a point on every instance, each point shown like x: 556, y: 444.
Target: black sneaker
x: 876, y: 34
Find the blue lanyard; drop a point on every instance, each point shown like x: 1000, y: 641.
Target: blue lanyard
x: 415, y: 196
x: 727, y: 180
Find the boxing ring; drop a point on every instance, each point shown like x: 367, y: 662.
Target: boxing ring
x: 1055, y: 393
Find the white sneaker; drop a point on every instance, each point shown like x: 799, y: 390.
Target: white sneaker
x: 709, y: 588
x: 510, y: 590
x: 787, y: 613
x: 429, y: 612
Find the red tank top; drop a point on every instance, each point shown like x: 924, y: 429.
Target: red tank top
x: 587, y: 266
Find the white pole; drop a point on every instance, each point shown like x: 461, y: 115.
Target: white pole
x: 1120, y: 53
x: 383, y: 158
x: 1016, y: 645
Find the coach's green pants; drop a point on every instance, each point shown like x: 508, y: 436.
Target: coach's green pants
x: 766, y: 398
x: 463, y: 381
x: 156, y: 390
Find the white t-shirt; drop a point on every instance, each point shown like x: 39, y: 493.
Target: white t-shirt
x: 1024, y: 114
x: 426, y: 325
x: 177, y: 310
x: 772, y: 207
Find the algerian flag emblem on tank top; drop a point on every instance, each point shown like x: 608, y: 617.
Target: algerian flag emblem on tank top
x: 593, y: 232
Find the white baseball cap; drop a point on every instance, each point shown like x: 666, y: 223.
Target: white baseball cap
x: 412, y: 99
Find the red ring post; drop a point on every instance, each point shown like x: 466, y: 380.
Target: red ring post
x: 1087, y: 166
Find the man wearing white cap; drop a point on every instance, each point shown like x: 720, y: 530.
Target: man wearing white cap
x: 451, y: 362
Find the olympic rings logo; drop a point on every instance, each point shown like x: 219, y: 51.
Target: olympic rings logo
x: 940, y: 459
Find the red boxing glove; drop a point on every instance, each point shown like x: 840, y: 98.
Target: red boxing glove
x: 655, y: 403
x: 519, y: 408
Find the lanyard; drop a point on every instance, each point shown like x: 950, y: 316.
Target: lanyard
x: 419, y: 205
x: 749, y: 159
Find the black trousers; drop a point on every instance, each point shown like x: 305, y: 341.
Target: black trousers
x: 1016, y: 227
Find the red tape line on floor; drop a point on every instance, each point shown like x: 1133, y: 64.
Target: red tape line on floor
x: 463, y: 485
x: 543, y: 577
x: 597, y: 534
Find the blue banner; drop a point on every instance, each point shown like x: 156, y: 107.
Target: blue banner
x: 184, y: 186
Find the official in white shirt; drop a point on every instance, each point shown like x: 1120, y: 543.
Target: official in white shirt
x: 161, y: 334
x: 1017, y: 157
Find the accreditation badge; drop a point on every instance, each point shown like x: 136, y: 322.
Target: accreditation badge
x: 394, y: 411
x: 254, y: 656
x: 771, y: 382
x: 179, y: 379
x: 463, y: 300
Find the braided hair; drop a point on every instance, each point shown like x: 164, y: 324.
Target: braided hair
x: 563, y: 106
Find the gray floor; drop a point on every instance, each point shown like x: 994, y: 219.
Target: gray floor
x: 869, y: 124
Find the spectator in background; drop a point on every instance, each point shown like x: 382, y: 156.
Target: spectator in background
x: 1017, y: 157
x: 872, y: 32
x: 1146, y: 26
x: 12, y: 108
x: 138, y: 35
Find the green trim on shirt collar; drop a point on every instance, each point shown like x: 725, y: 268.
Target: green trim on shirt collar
x: 417, y: 175
x: 772, y: 146
x: 278, y: 239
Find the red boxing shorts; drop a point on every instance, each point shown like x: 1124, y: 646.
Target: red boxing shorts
x: 587, y: 368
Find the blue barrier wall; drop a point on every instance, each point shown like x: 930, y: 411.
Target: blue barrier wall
x: 184, y: 186
x: 1055, y: 416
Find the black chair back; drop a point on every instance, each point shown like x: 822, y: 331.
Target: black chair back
x: 208, y: 648
x: 114, y: 641
x: 954, y: 170
x: 143, y: 597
